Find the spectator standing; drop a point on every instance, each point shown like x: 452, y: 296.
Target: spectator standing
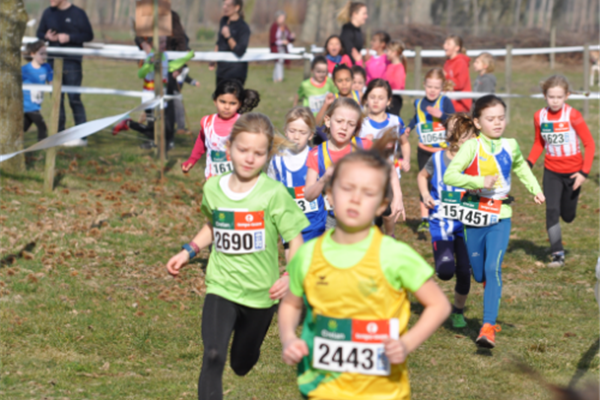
x: 280, y: 37
x: 456, y: 69
x: 234, y: 35
x: 66, y: 25
x: 353, y: 16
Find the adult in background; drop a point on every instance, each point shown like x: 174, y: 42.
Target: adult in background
x: 456, y: 69
x: 66, y: 25
x: 234, y: 35
x: 352, y: 16
x: 279, y: 38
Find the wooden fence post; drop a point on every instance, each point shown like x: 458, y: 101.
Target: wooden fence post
x: 307, y: 62
x: 508, y: 78
x: 159, y: 131
x: 56, y: 96
x: 418, y: 66
x: 552, y: 46
x: 586, y: 78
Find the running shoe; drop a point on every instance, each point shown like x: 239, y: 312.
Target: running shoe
x: 558, y: 260
x: 458, y: 320
x: 487, y: 336
x: 121, y: 126
x: 423, y: 226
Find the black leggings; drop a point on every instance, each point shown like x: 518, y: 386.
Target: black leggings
x: 446, y: 266
x: 561, y: 202
x: 220, y: 318
x: 148, y: 128
x: 35, y: 117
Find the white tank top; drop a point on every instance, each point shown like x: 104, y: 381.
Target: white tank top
x: 560, y: 139
x: 217, y: 162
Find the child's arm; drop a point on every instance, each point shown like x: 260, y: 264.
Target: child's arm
x: 203, y: 239
x: 315, y: 185
x: 448, y: 109
x: 180, y: 62
x: 436, y: 310
x: 397, y: 203
x: 197, y: 152
x: 405, y: 149
x: 538, y: 143
x: 281, y: 285
x: 524, y: 173
x: 290, y: 310
x: 329, y: 99
x: 145, y: 68
x: 587, y: 139
x: 423, y: 184
x: 296, y: 99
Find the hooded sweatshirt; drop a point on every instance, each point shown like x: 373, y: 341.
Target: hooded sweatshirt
x: 457, y: 71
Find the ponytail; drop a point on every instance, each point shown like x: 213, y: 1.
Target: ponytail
x: 250, y: 101
x: 345, y: 14
x: 248, y: 98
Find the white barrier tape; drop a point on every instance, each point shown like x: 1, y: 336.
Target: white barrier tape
x: 93, y: 90
x: 81, y: 131
x: 494, y: 52
x: 476, y: 95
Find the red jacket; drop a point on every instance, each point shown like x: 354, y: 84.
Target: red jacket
x: 273, y: 37
x: 457, y: 71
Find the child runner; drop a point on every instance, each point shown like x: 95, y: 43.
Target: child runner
x: 376, y: 65
x: 335, y: 54
x: 430, y: 114
x: 485, y: 81
x: 230, y: 100
x: 354, y: 282
x: 449, y: 249
x: 245, y: 211
x: 38, y: 71
x: 342, y: 78
x: 359, y: 79
x: 395, y: 73
x: 290, y: 169
x: 558, y: 128
x: 376, y: 99
x: 456, y: 68
x: 146, y: 72
x: 483, y: 166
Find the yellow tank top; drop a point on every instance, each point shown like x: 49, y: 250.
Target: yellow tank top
x: 357, y: 299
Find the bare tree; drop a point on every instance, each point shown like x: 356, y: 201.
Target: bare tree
x: 475, y: 17
x: 421, y: 12
x: 517, y: 15
x: 193, y: 18
x: 549, y: 14
x: 311, y: 22
x: 14, y: 20
x: 541, y: 14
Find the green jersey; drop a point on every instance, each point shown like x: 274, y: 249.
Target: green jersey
x: 313, y: 96
x: 244, y: 263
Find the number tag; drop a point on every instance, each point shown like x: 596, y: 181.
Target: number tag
x: 556, y: 133
x: 449, y: 205
x: 37, y: 96
x: 432, y: 133
x: 306, y: 206
x: 350, y: 345
x: 316, y: 102
x: 239, y: 232
x: 219, y: 163
x: 479, y: 211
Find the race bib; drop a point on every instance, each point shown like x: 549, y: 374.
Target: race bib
x: 350, y: 345
x: 328, y: 206
x: 479, y: 211
x: 449, y: 204
x: 298, y: 194
x: 556, y: 133
x: 219, y: 163
x: 37, y: 96
x: 239, y: 232
x: 316, y: 102
x: 432, y: 133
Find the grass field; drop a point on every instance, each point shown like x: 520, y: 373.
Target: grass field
x: 88, y: 311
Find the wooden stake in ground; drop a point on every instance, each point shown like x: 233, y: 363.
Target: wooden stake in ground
x: 12, y: 28
x: 586, y: 79
x: 552, y: 45
x: 51, y: 152
x: 508, y: 78
x: 159, y: 131
x: 418, y: 66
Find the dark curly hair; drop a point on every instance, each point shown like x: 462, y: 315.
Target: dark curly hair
x: 248, y: 98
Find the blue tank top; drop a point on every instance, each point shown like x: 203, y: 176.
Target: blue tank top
x: 442, y: 228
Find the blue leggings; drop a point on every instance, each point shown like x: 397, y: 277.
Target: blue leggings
x: 486, y: 247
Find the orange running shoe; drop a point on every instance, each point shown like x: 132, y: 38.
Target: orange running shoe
x: 487, y: 336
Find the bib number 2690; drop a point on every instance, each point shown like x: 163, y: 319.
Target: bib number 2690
x: 239, y: 232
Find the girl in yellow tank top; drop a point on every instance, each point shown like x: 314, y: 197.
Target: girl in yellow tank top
x: 354, y: 282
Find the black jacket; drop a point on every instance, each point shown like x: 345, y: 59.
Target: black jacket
x: 240, y: 32
x: 352, y: 37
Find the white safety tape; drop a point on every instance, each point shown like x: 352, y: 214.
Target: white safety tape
x: 476, y: 95
x: 81, y: 131
x: 93, y: 90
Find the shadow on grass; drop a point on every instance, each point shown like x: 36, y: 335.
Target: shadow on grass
x: 530, y: 248
x: 585, y: 363
x: 21, y: 177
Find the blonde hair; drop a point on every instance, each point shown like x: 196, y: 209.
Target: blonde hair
x: 345, y: 14
x: 397, y: 46
x: 459, y: 42
x: 348, y: 103
x: 457, y: 126
x: 438, y: 73
x: 555, y: 81
x: 488, y: 60
x: 302, y: 113
x: 258, y: 123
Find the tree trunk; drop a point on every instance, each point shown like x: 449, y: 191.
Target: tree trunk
x: 193, y: 19
x: 541, y: 14
x: 582, y: 11
x: 421, y: 12
x: 310, y: 26
x: 549, y: 14
x: 14, y: 20
x: 517, y: 17
x: 449, y: 12
x: 475, y: 18
x: 531, y: 14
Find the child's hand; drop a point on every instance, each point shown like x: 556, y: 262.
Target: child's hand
x: 398, y: 209
x: 197, y: 84
x: 279, y: 288
x: 293, y: 351
x: 539, y: 198
x: 329, y: 173
x: 489, y: 181
x: 356, y: 54
x: 370, y: 137
x: 579, y: 179
x: 177, y: 262
x: 395, y: 350
x: 186, y: 166
x: 428, y: 201
x: 405, y: 165
x: 406, y: 131
x: 436, y: 112
x: 211, y: 66
x: 329, y: 99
